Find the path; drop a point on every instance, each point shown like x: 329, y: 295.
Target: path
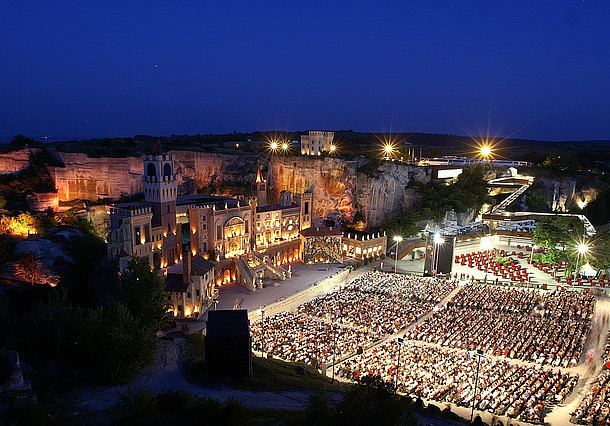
x: 164, y: 375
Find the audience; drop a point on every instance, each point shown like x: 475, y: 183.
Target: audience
x: 543, y: 327
x: 443, y: 374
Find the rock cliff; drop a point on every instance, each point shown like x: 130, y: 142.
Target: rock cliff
x: 14, y: 161
x: 339, y: 186
x: 88, y: 178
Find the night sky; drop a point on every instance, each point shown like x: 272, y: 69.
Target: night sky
x: 536, y: 69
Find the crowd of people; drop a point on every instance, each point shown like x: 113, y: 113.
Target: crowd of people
x: 350, y: 319
x: 594, y: 409
x: 298, y: 338
x: 381, y: 302
x: 444, y: 374
x: 438, y: 360
x: 543, y: 327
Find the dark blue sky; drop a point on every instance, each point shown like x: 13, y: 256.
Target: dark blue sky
x: 538, y: 69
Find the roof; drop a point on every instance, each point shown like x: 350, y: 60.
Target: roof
x: 199, y: 199
x: 131, y: 205
x: 322, y: 232
x: 200, y: 266
x: 228, y: 323
x: 175, y: 283
x: 262, y: 209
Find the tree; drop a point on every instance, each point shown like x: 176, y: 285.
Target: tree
x: 30, y: 269
x: 558, y: 235
x: 143, y: 293
x: 600, y: 253
x: 24, y: 141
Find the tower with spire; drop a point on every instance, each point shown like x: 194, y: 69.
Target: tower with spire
x: 259, y: 187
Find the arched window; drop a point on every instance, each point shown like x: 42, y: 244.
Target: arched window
x: 151, y: 170
x: 167, y: 170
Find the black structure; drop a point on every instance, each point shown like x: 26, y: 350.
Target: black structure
x: 439, y: 257
x: 228, y: 350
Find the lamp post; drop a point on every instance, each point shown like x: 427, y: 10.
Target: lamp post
x: 334, y: 349
x: 400, y: 340
x: 476, y: 382
x: 397, y: 239
x: 534, y: 248
x: 581, y: 250
x: 262, y: 332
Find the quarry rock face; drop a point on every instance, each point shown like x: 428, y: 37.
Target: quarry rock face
x: 89, y: 178
x: 14, y: 161
x: 339, y: 186
x: 333, y: 181
x: 213, y: 170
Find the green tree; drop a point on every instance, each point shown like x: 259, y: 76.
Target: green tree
x: 142, y: 292
x: 558, y: 235
x: 600, y: 253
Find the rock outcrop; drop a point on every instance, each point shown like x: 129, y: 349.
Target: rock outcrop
x: 14, y: 161
x: 79, y: 176
x: 339, y: 186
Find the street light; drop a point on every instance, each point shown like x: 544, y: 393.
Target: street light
x: 485, y: 151
x: 534, y: 248
x: 476, y: 381
x: 285, y: 147
x: 397, y: 239
x: 262, y: 332
x: 388, y: 150
x: 400, y: 340
x: 332, y: 148
x: 582, y: 249
x: 273, y: 146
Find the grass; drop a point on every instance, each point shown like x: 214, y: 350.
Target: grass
x: 268, y: 374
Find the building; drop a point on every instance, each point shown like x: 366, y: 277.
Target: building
x: 363, y: 245
x: 147, y: 230
x: 238, y: 234
x: 316, y: 142
x: 190, y: 286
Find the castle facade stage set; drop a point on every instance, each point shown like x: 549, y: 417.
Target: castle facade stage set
x: 200, y: 242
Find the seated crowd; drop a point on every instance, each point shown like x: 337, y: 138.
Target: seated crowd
x: 298, y: 338
x: 547, y: 328
x: 594, y: 409
x: 444, y: 374
x: 371, y: 306
x: 381, y: 302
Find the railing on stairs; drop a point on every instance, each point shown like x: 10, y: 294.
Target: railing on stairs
x: 249, y: 278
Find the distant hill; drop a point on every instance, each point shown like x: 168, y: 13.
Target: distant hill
x: 350, y: 144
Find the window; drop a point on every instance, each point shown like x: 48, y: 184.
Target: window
x: 188, y: 294
x: 137, y: 235
x: 219, y: 232
x: 247, y: 226
x: 306, y: 207
x: 198, y: 292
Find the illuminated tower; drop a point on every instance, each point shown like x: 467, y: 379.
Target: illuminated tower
x: 160, y: 192
x: 259, y: 188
